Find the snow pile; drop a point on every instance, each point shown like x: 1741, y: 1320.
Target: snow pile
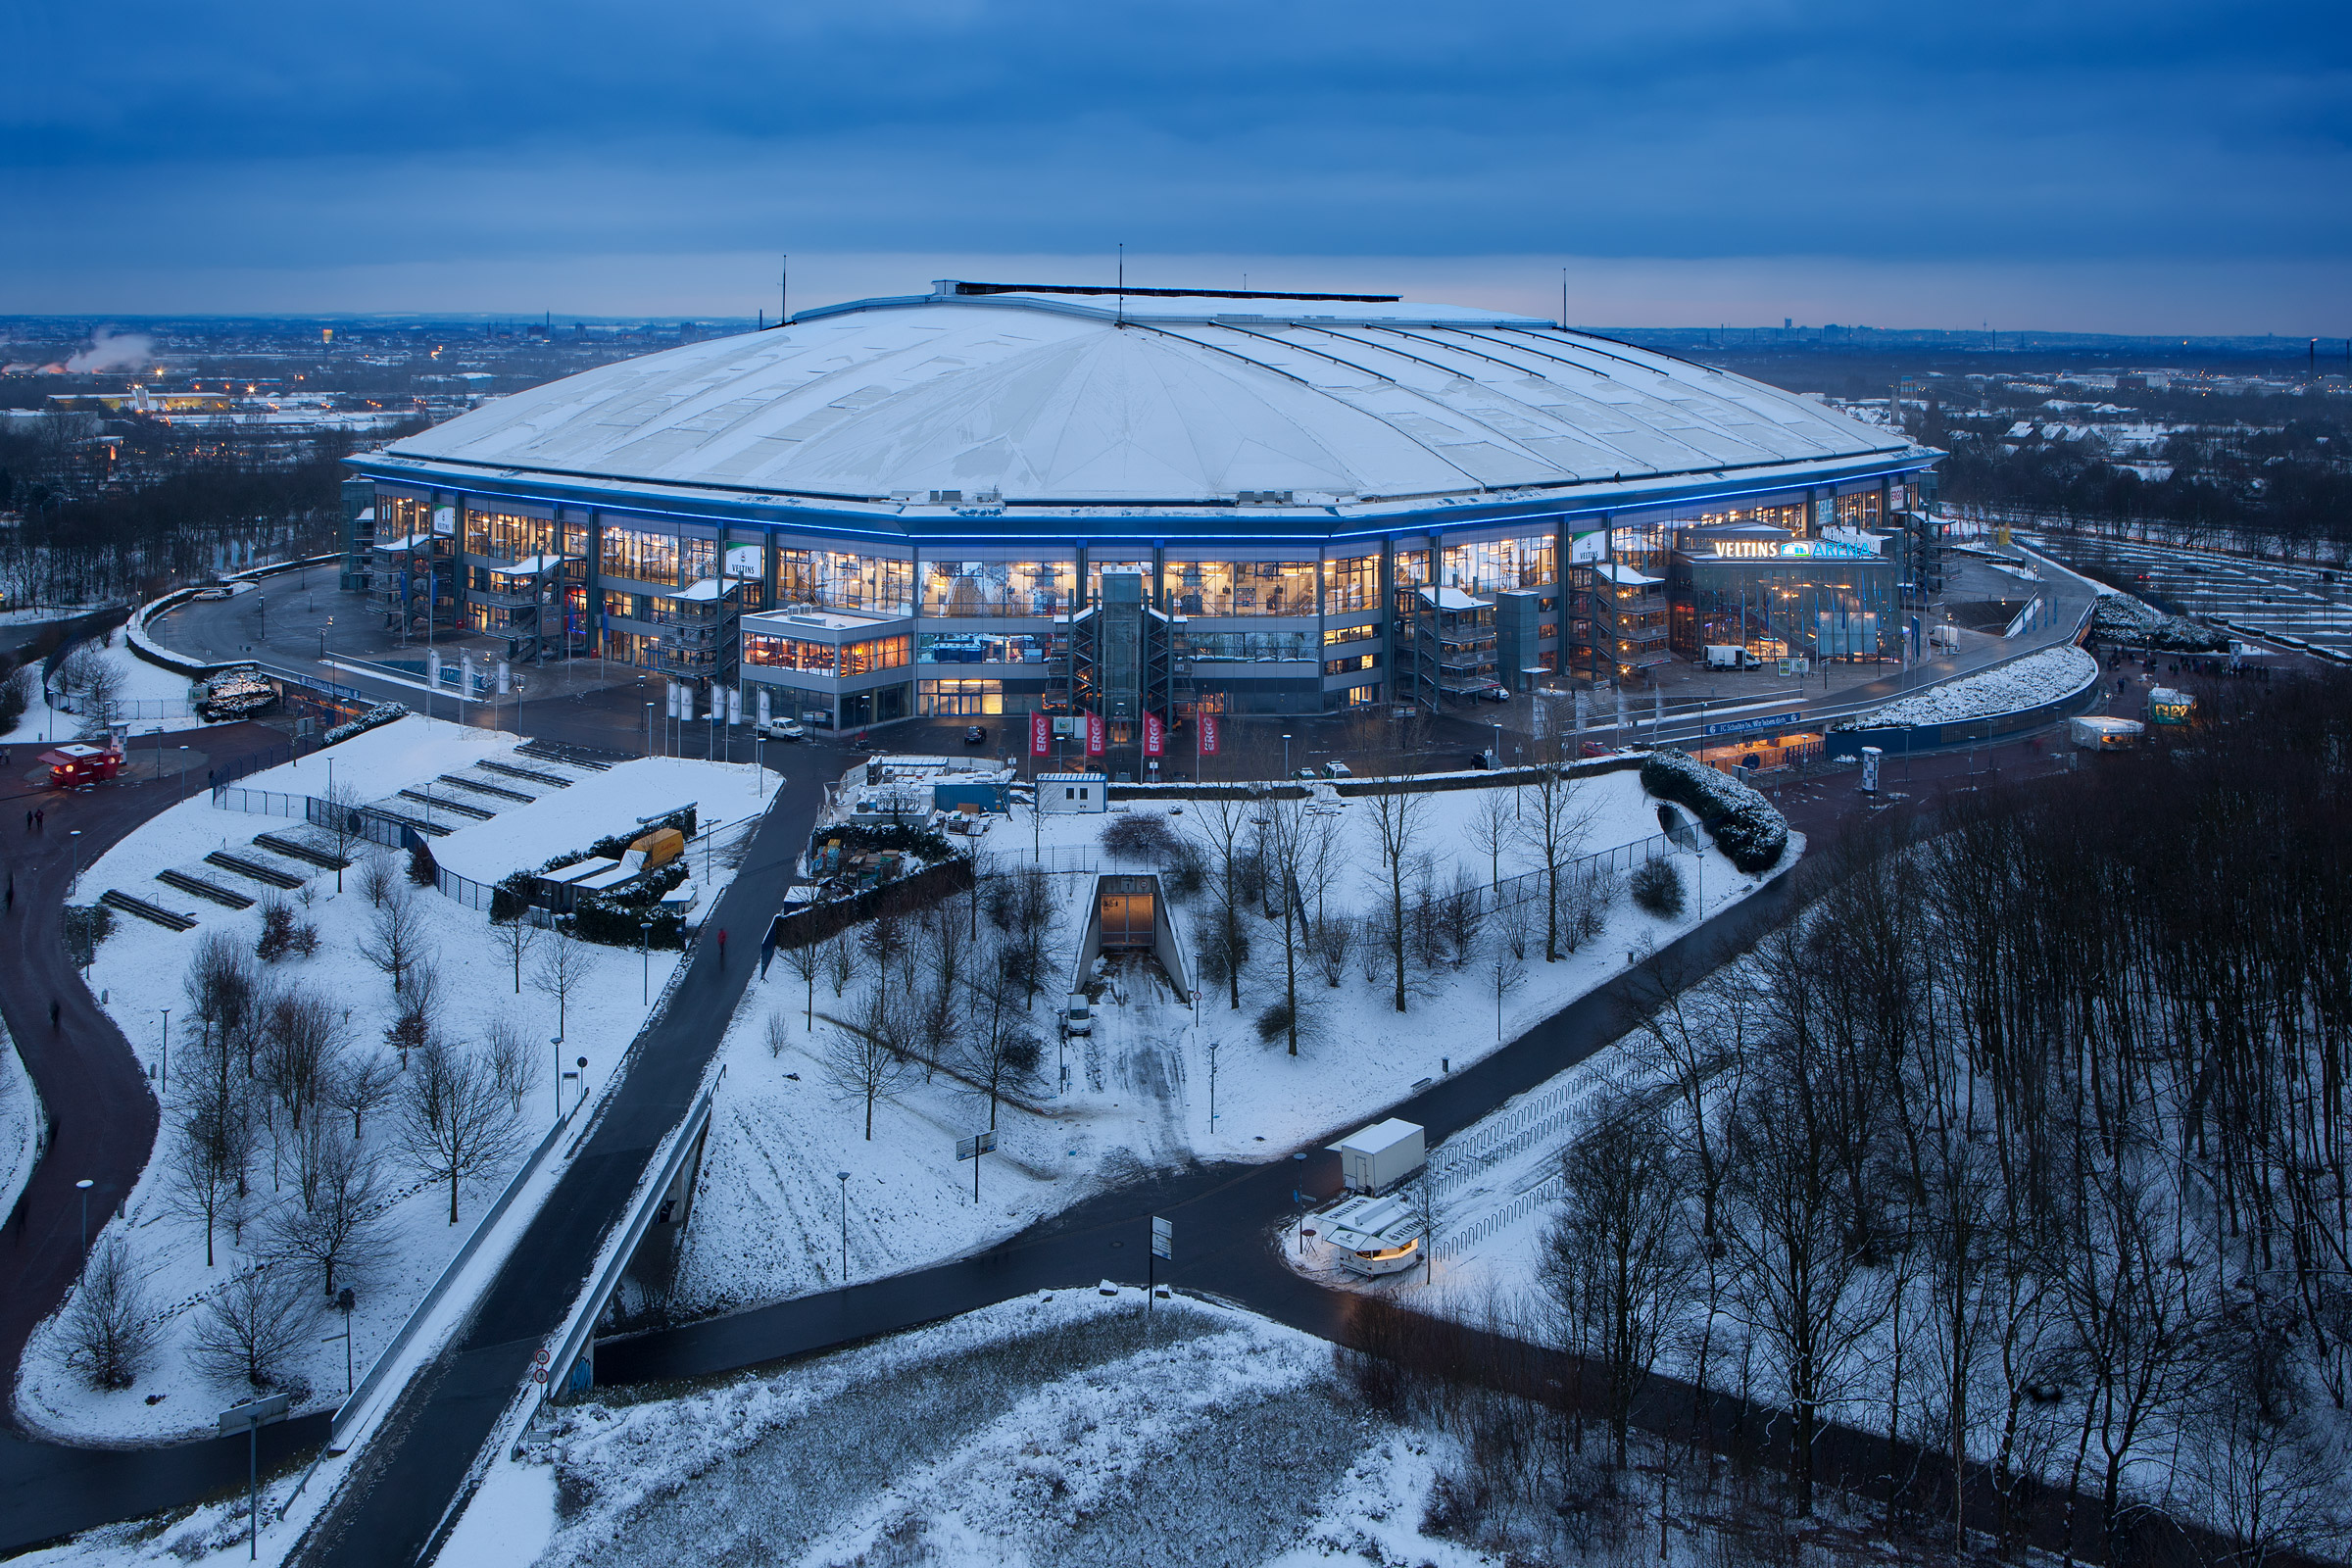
x: 1749, y: 828
x: 20, y: 1123
x: 2122, y: 618
x: 2028, y: 682
x: 380, y: 715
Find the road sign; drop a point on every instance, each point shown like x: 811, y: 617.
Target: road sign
x: 1163, y: 1238
x: 541, y: 1359
x: 975, y: 1146
x: 255, y: 1413
x: 538, y: 1374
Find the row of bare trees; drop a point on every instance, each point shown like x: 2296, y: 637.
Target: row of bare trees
x: 2024, y: 1142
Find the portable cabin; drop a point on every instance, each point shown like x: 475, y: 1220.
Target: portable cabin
x: 1374, y: 1236
x: 1380, y: 1155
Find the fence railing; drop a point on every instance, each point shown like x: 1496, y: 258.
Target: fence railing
x: 1534, y: 1199
x: 365, y: 822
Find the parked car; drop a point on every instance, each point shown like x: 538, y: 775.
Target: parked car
x: 1482, y: 759
x: 784, y: 729
x: 1597, y: 748
x: 975, y: 734
x: 1337, y: 770
x: 1309, y: 772
x: 214, y: 593
x: 1491, y: 692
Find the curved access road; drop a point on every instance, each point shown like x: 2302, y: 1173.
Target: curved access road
x: 102, y: 1122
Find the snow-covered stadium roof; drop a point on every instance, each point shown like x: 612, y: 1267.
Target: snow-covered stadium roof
x: 1047, y: 400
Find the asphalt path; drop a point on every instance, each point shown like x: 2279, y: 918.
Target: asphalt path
x: 103, y: 1121
x: 389, y: 1509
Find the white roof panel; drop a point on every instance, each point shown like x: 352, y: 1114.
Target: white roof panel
x: 1047, y: 400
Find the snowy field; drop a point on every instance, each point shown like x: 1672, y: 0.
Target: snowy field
x: 769, y: 1216
x: 142, y: 968
x: 1059, y: 1429
x: 2027, y: 682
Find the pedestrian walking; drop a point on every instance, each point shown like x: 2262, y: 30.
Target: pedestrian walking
x: 54, y: 1010
x: 723, y: 947
x: 41, y: 820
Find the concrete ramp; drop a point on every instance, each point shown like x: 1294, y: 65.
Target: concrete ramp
x: 1129, y: 913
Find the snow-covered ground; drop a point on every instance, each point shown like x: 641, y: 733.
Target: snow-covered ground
x: 768, y: 1219
x: 1060, y: 1429
x: 149, y: 699
x: 2027, y: 682
x: 20, y: 1123
x: 141, y: 970
x: 527, y: 837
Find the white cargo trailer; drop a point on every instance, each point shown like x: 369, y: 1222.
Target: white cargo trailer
x: 1380, y: 1157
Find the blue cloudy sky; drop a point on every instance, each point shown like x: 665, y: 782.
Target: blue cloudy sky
x: 2158, y: 166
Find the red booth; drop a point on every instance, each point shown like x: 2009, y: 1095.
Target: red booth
x: 73, y: 766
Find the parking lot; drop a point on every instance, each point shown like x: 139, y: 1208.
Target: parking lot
x: 2293, y: 605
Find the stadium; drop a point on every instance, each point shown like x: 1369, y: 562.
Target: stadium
x: 1001, y: 499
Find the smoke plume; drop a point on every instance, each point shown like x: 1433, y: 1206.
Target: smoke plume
x: 111, y: 351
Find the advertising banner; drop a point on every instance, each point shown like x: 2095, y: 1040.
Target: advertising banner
x: 1156, y: 735
x: 1094, y: 734
x: 1209, y: 734
x: 1041, y: 735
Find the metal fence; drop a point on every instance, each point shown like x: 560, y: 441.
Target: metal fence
x: 362, y: 822
x: 1534, y: 1199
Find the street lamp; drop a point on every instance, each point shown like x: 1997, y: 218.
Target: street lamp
x: 163, y: 1070
x: 649, y: 729
x: 1286, y: 756
x: 345, y: 1300
x: 583, y: 1100
x: 557, y: 1041
x: 83, y: 1186
x: 73, y: 837
x: 644, y: 951
x: 842, y: 1177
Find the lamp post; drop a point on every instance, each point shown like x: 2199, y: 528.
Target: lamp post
x: 74, y: 838
x: 557, y: 1041
x: 649, y: 729
x: 164, y: 1069
x: 842, y: 1177
x: 345, y: 1300
x: 1286, y: 756
x: 644, y: 951
x: 83, y: 1186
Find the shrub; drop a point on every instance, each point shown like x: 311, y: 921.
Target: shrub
x: 1745, y: 825
x: 1140, y: 836
x: 1274, y: 1023
x: 1657, y: 886
x: 277, y: 930
x: 381, y: 714
x: 901, y: 838
x: 511, y: 898
x: 87, y: 926
x: 1185, y: 871
x: 421, y: 871
x: 15, y: 696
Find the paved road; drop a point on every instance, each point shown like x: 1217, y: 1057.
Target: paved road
x: 104, y: 1116
x: 389, y: 1509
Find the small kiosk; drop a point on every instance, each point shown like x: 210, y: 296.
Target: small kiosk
x: 76, y: 765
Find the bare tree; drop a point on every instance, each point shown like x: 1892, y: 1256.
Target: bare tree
x: 780, y: 1035
x: 379, y: 875
x: 345, y: 831
x: 302, y: 1035
x: 110, y: 1335
x: 208, y: 1160
x: 417, y: 1010
x: 455, y: 1120
x: 516, y: 938
x: 806, y: 962
x: 564, y: 963
x: 1220, y: 826
x: 252, y: 1327
x: 841, y: 961
x: 222, y: 987
x: 862, y: 1060
x: 1003, y: 1057
x: 1285, y: 850
x: 1554, y: 825
x: 1334, y: 939
x: 359, y: 1086
x: 1397, y: 819
x: 397, y: 935
x: 1461, y: 917
x: 1494, y: 824
x: 1618, y: 1262
x: 335, y: 1226
x: 513, y: 1059
x: 1512, y: 924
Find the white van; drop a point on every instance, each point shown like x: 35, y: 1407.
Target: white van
x: 1731, y: 656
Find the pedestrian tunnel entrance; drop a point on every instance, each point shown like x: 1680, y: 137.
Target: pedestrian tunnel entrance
x: 1130, y: 914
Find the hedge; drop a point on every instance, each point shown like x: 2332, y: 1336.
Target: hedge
x: 1748, y: 827
x: 381, y: 714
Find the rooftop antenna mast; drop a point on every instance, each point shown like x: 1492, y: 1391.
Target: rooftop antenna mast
x: 784, y: 291
x: 1122, y: 319
x: 1563, y: 299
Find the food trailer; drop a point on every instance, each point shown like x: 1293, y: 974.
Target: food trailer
x: 2168, y: 705
x: 1374, y: 1236
x: 76, y: 767
x: 2095, y: 732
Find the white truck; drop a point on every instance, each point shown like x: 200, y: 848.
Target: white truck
x: 1731, y: 656
x: 1380, y: 1155
x: 1943, y: 638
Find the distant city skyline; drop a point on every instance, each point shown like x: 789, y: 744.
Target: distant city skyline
x: 2151, y: 169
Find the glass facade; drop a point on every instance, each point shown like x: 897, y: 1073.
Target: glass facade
x: 1239, y: 587
x: 1498, y: 566
x: 959, y: 698
x: 1098, y: 564
x: 999, y: 587
x: 1825, y: 607
x: 1251, y: 647
x: 641, y: 556
x: 824, y: 658
x: 1351, y: 584
x: 843, y: 579
x: 400, y: 517
x: 986, y: 648
x: 506, y: 536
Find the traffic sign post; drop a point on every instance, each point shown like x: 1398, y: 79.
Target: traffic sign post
x: 1163, y: 1247
x: 972, y: 1149
x: 249, y: 1418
